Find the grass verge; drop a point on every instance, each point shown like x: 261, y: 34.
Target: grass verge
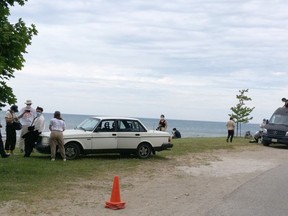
x: 24, y: 178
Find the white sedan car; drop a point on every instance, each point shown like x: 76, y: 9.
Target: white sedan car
x: 110, y: 135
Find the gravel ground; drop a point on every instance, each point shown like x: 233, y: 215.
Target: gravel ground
x: 188, y: 185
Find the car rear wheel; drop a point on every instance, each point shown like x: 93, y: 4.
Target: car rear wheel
x: 144, y: 150
x: 72, y: 151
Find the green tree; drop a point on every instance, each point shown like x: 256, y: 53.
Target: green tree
x: 240, y: 112
x: 14, y: 39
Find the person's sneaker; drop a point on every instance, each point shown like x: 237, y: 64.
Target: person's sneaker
x: 53, y: 159
x: 64, y: 159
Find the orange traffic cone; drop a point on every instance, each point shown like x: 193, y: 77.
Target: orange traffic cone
x: 115, y: 200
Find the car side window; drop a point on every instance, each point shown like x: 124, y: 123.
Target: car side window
x: 130, y: 125
x: 106, y: 126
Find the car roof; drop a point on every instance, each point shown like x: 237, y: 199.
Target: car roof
x: 114, y: 117
x: 281, y: 111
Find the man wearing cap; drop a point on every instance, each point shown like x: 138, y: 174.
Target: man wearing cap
x: 27, y: 114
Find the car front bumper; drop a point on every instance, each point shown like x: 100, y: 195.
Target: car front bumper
x: 280, y: 140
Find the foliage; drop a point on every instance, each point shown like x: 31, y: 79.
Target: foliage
x: 240, y: 112
x: 14, y: 39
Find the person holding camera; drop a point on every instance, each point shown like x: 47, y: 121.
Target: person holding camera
x: 27, y: 114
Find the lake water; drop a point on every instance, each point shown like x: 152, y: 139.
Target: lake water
x: 188, y: 128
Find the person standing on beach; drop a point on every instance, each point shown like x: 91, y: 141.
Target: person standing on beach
x: 57, y: 126
x: 27, y: 114
x: 162, y: 126
x: 230, y: 127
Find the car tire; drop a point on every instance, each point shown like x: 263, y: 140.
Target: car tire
x: 72, y: 151
x: 265, y: 143
x: 144, y: 150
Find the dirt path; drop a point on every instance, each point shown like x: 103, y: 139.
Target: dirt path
x: 190, y: 185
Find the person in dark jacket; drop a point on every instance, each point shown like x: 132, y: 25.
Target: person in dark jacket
x: 176, y: 134
x: 30, y: 139
x: 10, y: 118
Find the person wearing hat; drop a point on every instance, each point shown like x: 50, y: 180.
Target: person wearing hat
x: 27, y: 114
x: 10, y: 117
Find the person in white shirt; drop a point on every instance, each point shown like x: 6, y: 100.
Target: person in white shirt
x: 27, y: 114
x: 39, y: 122
x: 230, y: 128
x: 36, y: 128
x: 57, y: 126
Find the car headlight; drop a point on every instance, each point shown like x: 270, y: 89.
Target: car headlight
x: 286, y: 133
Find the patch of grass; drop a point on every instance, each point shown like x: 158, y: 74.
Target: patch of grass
x: 24, y: 178
x: 203, y: 144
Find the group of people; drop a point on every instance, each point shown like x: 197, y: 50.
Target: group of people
x: 162, y: 126
x: 33, y: 124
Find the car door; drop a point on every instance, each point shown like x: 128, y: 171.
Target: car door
x: 129, y: 134
x: 104, y: 136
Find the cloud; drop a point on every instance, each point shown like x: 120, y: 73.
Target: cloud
x: 187, y: 59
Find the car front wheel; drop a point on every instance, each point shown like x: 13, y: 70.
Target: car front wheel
x: 144, y: 150
x: 265, y: 143
x: 72, y: 151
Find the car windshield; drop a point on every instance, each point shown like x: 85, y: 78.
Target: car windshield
x: 88, y: 124
x: 279, y: 119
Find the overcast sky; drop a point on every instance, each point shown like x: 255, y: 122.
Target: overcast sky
x: 187, y: 59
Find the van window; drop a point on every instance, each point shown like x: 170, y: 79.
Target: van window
x: 279, y: 119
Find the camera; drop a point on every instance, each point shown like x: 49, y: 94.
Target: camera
x: 31, y: 128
